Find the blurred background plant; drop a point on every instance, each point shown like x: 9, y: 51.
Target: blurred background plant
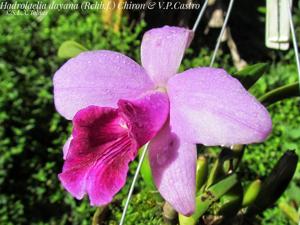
x: 32, y: 133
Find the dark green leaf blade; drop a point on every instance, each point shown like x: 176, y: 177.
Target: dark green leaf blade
x: 250, y: 74
x: 280, y: 93
x: 276, y: 183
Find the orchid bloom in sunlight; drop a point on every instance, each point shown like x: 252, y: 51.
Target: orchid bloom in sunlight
x: 117, y: 106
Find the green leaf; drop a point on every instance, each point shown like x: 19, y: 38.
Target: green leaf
x: 70, y: 49
x: 221, y: 165
x: 276, y: 183
x: 211, y: 195
x: 250, y: 74
x: 201, y: 172
x: 231, y: 202
x: 215, y: 173
x: 251, y: 192
x: 290, y: 212
x: 146, y: 170
x: 280, y: 93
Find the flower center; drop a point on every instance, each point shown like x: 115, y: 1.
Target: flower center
x: 161, y: 89
x: 123, y: 124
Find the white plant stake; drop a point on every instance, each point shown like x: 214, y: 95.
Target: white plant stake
x: 221, y: 33
x: 277, y: 24
x: 200, y: 15
x: 136, y: 174
x: 295, y: 43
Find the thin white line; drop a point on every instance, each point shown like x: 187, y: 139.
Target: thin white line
x: 133, y: 184
x: 221, y: 33
x: 294, y: 39
x: 200, y: 16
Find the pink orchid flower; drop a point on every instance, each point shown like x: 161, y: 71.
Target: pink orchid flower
x: 117, y: 106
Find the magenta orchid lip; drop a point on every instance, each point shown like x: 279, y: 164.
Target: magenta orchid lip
x: 116, y: 108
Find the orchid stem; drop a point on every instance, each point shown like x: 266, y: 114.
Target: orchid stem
x: 200, y: 16
x: 221, y: 33
x: 98, y: 215
x: 294, y: 40
x: 280, y: 93
x: 133, y: 184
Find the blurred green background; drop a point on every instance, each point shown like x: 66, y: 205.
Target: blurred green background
x: 32, y: 133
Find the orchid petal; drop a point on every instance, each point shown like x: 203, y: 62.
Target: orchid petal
x: 162, y: 50
x: 173, y: 164
x: 97, y: 78
x: 104, y: 140
x: 146, y: 115
x: 210, y: 107
x: 66, y: 147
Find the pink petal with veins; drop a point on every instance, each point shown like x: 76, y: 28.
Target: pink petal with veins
x: 105, y: 140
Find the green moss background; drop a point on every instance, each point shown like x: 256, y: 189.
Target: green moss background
x: 32, y: 133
